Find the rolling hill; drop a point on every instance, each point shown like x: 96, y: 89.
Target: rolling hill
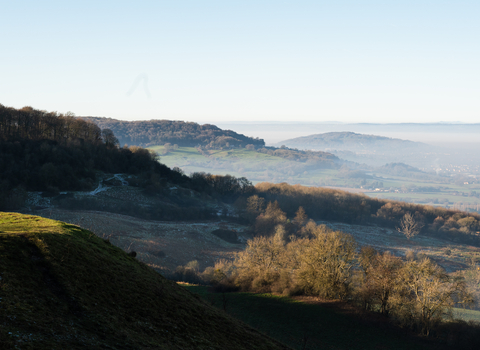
x: 63, y: 287
x: 368, y: 149
x: 349, y: 141
x: 186, y: 134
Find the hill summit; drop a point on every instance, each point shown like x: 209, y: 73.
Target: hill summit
x: 349, y: 141
x: 187, y: 134
x: 63, y: 287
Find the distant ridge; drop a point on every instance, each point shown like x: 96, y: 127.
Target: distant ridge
x: 348, y: 141
x: 184, y: 134
x: 430, y: 133
x: 328, y: 122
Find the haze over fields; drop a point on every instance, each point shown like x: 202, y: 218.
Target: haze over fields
x: 273, y: 132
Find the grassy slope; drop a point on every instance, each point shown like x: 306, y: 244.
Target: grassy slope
x: 233, y: 161
x: 294, y: 322
x: 62, y: 287
x: 242, y: 162
x: 466, y: 315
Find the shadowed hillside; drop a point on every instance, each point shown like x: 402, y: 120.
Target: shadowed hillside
x: 62, y: 287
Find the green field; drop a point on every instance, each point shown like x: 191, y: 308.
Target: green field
x: 466, y: 315
x: 259, y: 167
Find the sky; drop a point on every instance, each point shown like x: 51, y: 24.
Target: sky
x: 210, y: 61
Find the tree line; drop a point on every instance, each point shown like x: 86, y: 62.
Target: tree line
x: 28, y: 123
x: 334, y: 205
x: 227, y: 187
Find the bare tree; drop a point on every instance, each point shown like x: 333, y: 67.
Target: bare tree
x: 429, y: 294
x: 326, y: 264
x: 409, y: 226
x: 381, y: 278
x: 109, y: 138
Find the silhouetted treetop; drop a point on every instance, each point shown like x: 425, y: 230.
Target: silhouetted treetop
x: 28, y: 123
x: 49, y: 151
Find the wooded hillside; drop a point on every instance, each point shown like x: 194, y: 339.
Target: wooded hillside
x: 48, y: 151
x: 188, y: 134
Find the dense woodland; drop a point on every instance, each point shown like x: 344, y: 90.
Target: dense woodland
x: 187, y: 134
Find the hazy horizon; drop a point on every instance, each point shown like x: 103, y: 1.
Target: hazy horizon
x: 435, y: 134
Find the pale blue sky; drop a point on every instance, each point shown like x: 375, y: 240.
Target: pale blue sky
x: 207, y: 61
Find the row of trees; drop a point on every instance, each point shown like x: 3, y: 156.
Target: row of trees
x: 32, y: 124
x: 334, y: 205
x: 314, y: 158
x: 227, y: 187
